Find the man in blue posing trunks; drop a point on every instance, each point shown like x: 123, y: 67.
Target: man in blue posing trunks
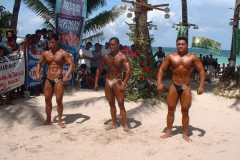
x: 182, y: 64
x: 56, y: 58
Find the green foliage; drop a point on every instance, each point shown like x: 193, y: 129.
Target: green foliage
x: 5, y: 20
x: 144, y: 69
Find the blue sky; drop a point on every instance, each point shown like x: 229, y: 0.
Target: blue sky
x: 212, y: 17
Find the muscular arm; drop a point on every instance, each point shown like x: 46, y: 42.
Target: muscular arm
x: 128, y: 68
x: 162, y: 70
x: 199, y: 67
x: 69, y: 60
x: 39, y: 66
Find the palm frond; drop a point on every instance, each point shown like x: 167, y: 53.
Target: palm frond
x: 43, y: 8
x: 102, y: 19
x: 93, y: 5
x: 36, y: 6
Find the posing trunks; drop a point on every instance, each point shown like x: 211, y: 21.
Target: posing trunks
x: 180, y: 88
x: 112, y: 82
x: 54, y: 81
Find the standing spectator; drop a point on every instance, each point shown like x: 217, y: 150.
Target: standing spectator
x: 96, y: 58
x: 83, y: 61
x: 44, y: 38
x: 106, y: 49
x: 40, y: 43
x: 160, y: 56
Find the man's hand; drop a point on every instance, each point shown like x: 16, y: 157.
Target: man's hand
x: 96, y: 87
x: 65, y: 79
x: 123, y: 87
x: 38, y: 78
x: 200, y: 90
x: 160, y: 87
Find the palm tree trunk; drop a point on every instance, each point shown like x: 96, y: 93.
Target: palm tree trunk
x: 142, y: 32
x: 232, y: 62
x: 14, y: 19
x: 184, y: 15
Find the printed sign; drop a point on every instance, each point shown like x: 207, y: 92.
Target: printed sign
x: 12, y: 71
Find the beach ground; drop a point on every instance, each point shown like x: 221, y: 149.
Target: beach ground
x: 214, y: 129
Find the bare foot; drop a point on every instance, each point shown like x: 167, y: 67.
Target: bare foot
x: 187, y: 138
x: 111, y: 127
x: 46, y: 123
x: 126, y: 129
x: 61, y: 125
x: 166, y: 135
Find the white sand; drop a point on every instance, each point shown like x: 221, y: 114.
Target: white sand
x: 214, y: 129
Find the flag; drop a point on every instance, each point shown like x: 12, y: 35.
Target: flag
x: 182, y: 31
x: 70, y: 17
x: 205, y: 43
x: 236, y: 41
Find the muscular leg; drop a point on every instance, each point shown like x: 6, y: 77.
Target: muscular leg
x: 48, y: 93
x: 185, y: 100
x: 172, y: 99
x: 120, y: 98
x: 59, y: 90
x: 111, y: 100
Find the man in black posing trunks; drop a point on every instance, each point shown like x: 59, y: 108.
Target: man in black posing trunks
x: 182, y: 64
x: 56, y: 58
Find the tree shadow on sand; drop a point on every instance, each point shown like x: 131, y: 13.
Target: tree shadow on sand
x: 236, y: 105
x: 178, y: 130
x: 84, y: 102
x: 22, y: 110
x: 70, y: 118
x: 132, y: 123
x: 27, y: 110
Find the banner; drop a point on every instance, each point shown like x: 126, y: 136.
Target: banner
x: 70, y: 16
x: 236, y: 41
x: 205, y: 43
x: 33, y: 58
x: 182, y: 31
x: 12, y: 71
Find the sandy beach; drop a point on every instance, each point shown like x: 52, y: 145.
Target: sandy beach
x: 214, y: 129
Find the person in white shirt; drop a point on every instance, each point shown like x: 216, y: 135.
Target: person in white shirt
x: 106, y: 49
x: 85, y: 56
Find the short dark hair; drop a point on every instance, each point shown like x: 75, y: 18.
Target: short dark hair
x: 182, y: 38
x: 44, y: 30
x: 53, y: 36
x: 28, y: 36
x: 90, y: 43
x: 114, y: 38
x: 38, y: 31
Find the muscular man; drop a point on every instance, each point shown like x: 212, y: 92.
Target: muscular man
x: 115, y: 85
x: 182, y: 63
x: 56, y: 59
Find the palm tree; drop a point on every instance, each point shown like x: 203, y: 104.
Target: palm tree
x: 93, y: 25
x: 5, y: 20
x: 235, y: 26
x: 14, y: 19
x: 184, y: 15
